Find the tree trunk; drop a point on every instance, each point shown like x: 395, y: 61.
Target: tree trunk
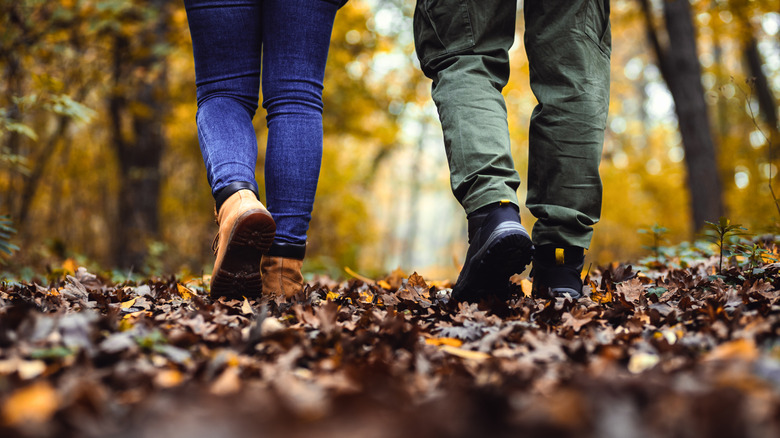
x: 9, y: 200
x: 137, y: 109
x: 33, y: 179
x: 680, y: 68
x: 763, y: 92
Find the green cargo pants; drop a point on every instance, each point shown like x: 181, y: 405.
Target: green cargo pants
x: 463, y: 47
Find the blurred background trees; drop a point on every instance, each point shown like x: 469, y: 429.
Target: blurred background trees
x: 99, y: 158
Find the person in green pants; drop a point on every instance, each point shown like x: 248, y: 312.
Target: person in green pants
x: 463, y: 47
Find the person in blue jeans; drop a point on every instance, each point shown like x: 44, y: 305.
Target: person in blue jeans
x: 235, y: 43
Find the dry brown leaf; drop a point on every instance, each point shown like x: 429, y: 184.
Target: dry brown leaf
x: 577, y: 318
x: 228, y: 382
x: 416, y: 280
x: 395, y: 279
x: 740, y: 349
x: 632, y: 289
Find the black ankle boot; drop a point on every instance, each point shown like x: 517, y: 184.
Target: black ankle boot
x: 499, y: 247
x: 556, y: 272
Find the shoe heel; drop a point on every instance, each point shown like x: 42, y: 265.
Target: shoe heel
x: 254, y: 229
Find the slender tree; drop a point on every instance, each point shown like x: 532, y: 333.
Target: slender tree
x: 678, y: 62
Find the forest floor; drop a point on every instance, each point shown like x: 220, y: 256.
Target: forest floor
x: 669, y: 351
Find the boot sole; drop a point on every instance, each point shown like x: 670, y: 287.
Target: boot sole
x: 507, y: 252
x: 239, y: 274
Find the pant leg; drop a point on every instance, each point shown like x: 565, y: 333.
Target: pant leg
x: 295, y: 49
x: 463, y: 47
x: 226, y: 42
x: 568, y: 45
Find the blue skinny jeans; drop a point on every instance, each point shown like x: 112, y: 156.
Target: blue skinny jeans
x: 288, y: 40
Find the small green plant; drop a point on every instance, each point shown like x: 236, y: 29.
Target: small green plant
x: 6, y: 231
x: 658, y: 234
x: 720, y: 234
x: 755, y: 255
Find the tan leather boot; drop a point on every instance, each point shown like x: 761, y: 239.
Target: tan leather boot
x: 281, y: 269
x: 246, y: 231
x: 281, y: 276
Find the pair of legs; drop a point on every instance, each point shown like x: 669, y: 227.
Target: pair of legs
x: 234, y: 41
x: 463, y: 47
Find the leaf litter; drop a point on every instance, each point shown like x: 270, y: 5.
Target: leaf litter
x: 677, y: 352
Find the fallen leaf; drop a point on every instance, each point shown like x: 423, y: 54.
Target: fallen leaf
x: 270, y: 326
x: 394, y: 280
x: 332, y: 296
x: 32, y: 404
x: 246, y: 309
x: 27, y: 369
x: 631, y: 289
x: 185, y: 292
x: 175, y: 354
x: 469, y: 331
x: 642, y: 361
x: 741, y: 349
x: 577, y: 318
x: 228, y: 382
x: 667, y: 335
x: 599, y: 296
x: 70, y: 266
x: 416, y: 280
x: 74, y: 290
x: 453, y: 342
x: 465, y: 354
x: 117, y: 342
x: 527, y: 287
x: 143, y: 291
x: 168, y: 378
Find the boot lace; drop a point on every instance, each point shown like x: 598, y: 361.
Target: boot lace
x: 215, y: 244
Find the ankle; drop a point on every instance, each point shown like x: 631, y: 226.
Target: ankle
x: 491, y: 215
x: 222, y: 195
x: 487, y: 209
